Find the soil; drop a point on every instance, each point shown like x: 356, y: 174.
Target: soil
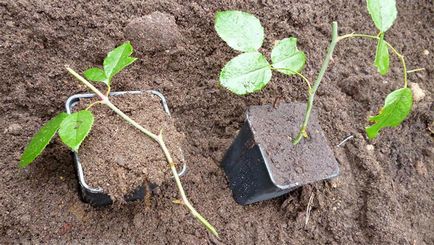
x: 292, y: 165
x: 384, y: 194
x: 119, y: 158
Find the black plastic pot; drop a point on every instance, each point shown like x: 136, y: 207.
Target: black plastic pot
x: 262, y: 163
x: 96, y: 195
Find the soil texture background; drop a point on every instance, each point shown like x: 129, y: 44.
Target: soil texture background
x: 384, y: 194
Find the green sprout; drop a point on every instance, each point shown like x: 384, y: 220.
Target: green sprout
x: 250, y: 71
x: 74, y: 128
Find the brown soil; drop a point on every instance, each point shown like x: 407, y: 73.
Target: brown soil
x: 384, y: 194
x: 292, y: 165
x: 119, y: 158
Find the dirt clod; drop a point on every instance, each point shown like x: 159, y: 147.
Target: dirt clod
x: 118, y: 157
x: 154, y: 32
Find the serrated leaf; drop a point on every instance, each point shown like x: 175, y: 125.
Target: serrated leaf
x: 118, y: 59
x: 383, y: 13
x: 286, y: 58
x: 41, y: 139
x: 396, y: 108
x: 240, y: 30
x: 246, y: 73
x: 95, y: 74
x: 382, y: 56
x: 74, y: 128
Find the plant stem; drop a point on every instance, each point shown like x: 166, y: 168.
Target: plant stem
x: 302, y: 133
x: 185, y: 200
x: 159, y: 140
x: 335, y: 38
x: 399, y: 55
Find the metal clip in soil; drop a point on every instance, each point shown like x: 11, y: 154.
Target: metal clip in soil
x: 95, y: 195
x: 262, y: 163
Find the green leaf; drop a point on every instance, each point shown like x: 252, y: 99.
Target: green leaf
x: 240, y: 30
x: 41, y: 139
x: 75, y: 128
x: 383, y: 13
x: 286, y: 58
x: 382, y: 56
x: 396, y: 108
x: 246, y: 73
x: 95, y: 74
x: 118, y: 59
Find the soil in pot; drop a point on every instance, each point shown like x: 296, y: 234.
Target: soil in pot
x: 119, y: 158
x: 309, y: 161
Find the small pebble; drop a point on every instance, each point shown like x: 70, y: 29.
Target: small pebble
x: 370, y: 147
x: 335, y: 182
x: 26, y: 218
x: 418, y: 93
x: 14, y: 129
x: 426, y: 52
x: 421, y: 168
x: 120, y: 160
x: 138, y: 220
x: 10, y: 24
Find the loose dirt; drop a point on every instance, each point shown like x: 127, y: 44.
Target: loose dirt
x: 384, y: 194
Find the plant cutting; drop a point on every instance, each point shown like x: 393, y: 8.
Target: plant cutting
x: 250, y: 72
x: 109, y: 168
x: 74, y: 128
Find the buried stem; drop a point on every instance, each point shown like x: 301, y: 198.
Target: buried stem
x: 156, y: 138
x: 302, y: 133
